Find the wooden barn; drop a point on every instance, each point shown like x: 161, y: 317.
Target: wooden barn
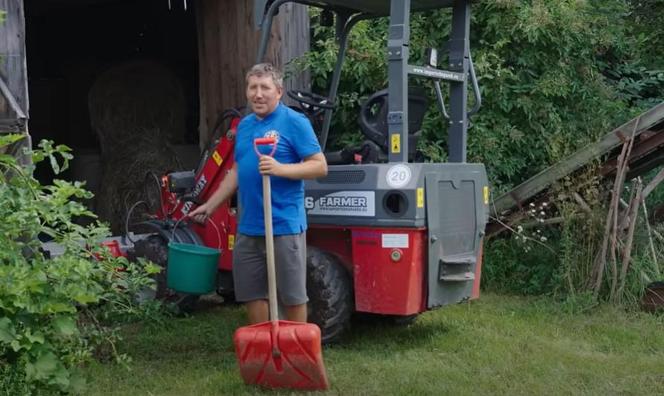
x: 132, y: 85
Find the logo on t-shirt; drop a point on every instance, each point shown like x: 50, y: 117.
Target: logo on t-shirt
x: 272, y: 133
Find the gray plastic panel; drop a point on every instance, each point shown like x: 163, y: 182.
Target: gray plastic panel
x: 361, y: 195
x: 455, y: 225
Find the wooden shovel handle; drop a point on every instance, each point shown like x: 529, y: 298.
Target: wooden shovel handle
x: 269, y: 249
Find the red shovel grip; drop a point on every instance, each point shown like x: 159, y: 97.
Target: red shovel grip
x: 265, y: 141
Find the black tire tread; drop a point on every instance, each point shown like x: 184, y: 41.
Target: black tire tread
x: 330, y: 291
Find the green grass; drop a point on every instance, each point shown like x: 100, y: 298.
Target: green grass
x: 498, y: 345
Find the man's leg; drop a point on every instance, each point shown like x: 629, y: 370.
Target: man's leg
x: 250, y: 276
x: 291, y: 257
x: 258, y: 311
x: 297, y: 313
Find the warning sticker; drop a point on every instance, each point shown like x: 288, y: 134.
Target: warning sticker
x: 217, y: 158
x: 420, y: 197
x: 231, y: 241
x: 486, y: 195
x: 395, y: 240
x: 396, y: 143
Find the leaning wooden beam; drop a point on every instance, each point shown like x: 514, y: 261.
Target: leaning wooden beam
x: 650, y: 239
x: 627, y: 255
x: 653, y: 183
x: 13, y: 103
x: 542, y: 180
x: 600, y: 259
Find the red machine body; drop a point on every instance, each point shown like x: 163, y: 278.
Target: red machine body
x: 219, y: 161
x: 385, y: 280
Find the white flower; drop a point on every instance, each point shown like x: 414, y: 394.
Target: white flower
x: 532, y: 205
x: 542, y: 213
x: 543, y: 239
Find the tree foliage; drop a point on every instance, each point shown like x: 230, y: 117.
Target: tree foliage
x: 553, y: 76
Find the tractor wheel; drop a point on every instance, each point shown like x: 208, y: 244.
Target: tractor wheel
x: 330, y: 292
x: 155, y: 249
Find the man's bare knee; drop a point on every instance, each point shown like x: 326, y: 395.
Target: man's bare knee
x: 296, y: 313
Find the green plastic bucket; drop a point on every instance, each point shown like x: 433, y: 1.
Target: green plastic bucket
x: 192, y: 269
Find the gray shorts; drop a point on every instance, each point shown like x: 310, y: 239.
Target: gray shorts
x: 250, y: 268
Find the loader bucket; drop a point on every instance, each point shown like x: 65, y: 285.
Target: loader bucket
x: 281, y: 354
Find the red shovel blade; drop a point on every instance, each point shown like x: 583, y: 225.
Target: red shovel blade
x: 297, y: 363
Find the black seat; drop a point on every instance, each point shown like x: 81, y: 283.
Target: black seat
x: 373, y: 118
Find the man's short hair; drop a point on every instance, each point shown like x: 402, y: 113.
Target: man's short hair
x: 266, y: 69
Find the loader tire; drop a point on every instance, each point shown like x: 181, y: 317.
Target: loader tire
x: 155, y: 249
x: 330, y: 291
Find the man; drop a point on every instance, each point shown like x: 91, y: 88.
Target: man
x: 298, y: 156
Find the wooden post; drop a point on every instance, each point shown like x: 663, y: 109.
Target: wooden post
x: 13, y: 75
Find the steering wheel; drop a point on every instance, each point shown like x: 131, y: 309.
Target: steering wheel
x: 311, y: 102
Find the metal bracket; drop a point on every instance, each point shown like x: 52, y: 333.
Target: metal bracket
x: 394, y: 117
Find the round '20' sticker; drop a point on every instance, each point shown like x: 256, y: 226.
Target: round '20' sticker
x: 398, y: 176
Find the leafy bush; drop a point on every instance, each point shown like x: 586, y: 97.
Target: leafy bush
x: 54, y: 312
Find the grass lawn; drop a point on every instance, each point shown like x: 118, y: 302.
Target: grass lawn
x: 498, y: 345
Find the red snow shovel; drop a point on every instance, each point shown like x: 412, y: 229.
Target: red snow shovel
x: 279, y: 353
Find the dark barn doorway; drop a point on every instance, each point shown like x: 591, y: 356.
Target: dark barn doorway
x: 117, y: 81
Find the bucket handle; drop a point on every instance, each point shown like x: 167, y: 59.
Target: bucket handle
x: 216, y: 228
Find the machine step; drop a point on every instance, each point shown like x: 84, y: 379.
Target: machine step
x: 459, y: 259
x: 462, y: 277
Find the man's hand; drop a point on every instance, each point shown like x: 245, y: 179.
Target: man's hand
x: 269, y: 166
x: 201, y: 214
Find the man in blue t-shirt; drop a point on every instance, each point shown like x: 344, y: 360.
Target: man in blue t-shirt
x: 298, y: 156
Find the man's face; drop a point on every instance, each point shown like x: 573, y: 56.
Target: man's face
x: 263, y: 95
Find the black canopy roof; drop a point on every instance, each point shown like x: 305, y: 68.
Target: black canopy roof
x: 382, y: 7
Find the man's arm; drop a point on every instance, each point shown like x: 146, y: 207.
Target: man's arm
x: 311, y: 167
x: 226, y: 189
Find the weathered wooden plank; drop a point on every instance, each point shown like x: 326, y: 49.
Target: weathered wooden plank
x: 294, y: 29
x: 13, y: 68
x: 4, y: 106
x: 14, y: 108
x: 580, y: 158
x: 228, y: 43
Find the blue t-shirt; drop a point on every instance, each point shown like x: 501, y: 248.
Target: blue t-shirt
x: 296, y: 141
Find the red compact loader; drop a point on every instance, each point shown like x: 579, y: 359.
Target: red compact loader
x: 388, y: 233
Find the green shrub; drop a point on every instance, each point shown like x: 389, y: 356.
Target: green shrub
x: 54, y: 313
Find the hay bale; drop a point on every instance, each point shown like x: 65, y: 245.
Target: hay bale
x: 135, y: 96
x: 137, y: 109
x: 123, y: 180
